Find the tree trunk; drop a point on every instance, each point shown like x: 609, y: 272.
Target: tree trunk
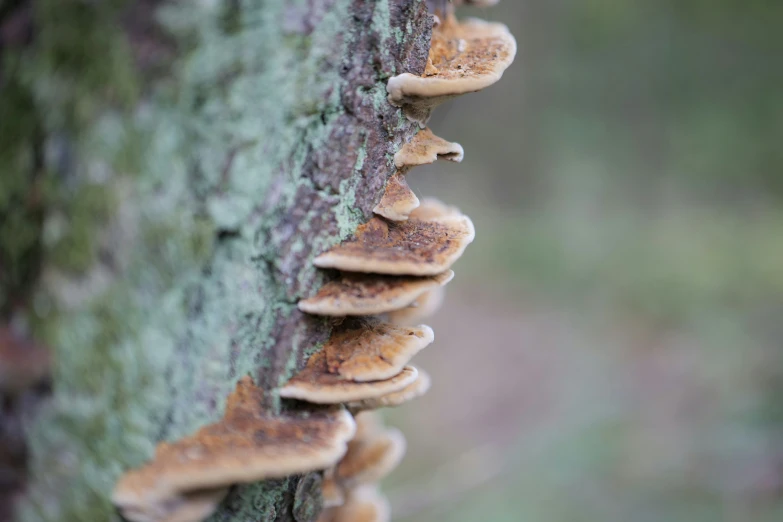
x: 169, y: 170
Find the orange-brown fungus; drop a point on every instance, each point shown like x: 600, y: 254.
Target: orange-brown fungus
x: 368, y: 425
x: 247, y: 445
x: 331, y: 492
x: 425, y: 148
x: 469, y: 56
x: 369, y: 460
x: 376, y: 352
x: 424, y: 307
x: 398, y: 199
x: 414, y: 247
x: 22, y: 362
x: 418, y: 388
x: 362, y: 294
x: 318, y: 385
x: 363, y: 504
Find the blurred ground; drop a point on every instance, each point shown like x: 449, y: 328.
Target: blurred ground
x: 611, y: 348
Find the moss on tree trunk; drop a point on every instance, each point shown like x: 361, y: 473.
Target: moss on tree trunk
x: 169, y: 170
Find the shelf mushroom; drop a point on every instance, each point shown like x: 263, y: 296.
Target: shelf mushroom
x: 425, y: 148
x: 246, y: 445
x: 316, y: 384
x: 465, y: 56
x: 414, y: 390
x: 364, y: 504
x: 414, y: 247
x: 369, y: 460
x: 370, y: 294
x: 398, y: 200
x: 374, y: 352
x: 372, y: 454
x: 425, y: 306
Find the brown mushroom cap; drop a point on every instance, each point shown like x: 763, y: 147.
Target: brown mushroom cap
x: 398, y: 200
x: 425, y: 306
x: 362, y: 294
x: 414, y: 247
x: 374, y: 352
x: 469, y: 55
x: 331, y: 492
x: 364, y: 504
x: 416, y: 389
x: 318, y: 385
x: 368, y: 425
x: 425, y: 148
x: 370, y: 460
x: 247, y: 445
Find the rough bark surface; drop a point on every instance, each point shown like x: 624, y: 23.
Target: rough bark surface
x: 172, y: 175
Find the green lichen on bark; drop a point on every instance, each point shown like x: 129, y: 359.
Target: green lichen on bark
x: 185, y: 233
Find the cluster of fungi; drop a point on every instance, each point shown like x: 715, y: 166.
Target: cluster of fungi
x: 391, y: 275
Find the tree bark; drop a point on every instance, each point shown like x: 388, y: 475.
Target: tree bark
x: 169, y: 172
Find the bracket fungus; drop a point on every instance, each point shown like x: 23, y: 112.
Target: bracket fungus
x: 396, y: 265
x: 331, y: 492
x: 416, y: 389
x: 363, y: 504
x: 375, y: 352
x: 393, y: 268
x: 468, y: 55
x: 423, y: 307
x: 372, y: 454
x: 246, y: 445
x: 398, y: 200
x: 414, y: 247
x: 371, y: 459
x: 425, y: 148
x: 370, y: 294
x: 316, y: 384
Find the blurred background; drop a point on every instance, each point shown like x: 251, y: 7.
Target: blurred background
x: 612, y: 346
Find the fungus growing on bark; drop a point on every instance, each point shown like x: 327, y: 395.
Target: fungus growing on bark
x: 331, y: 492
x: 363, y: 504
x: 370, y: 459
x: 23, y: 363
x: 398, y: 200
x: 469, y: 56
x: 374, y: 352
x: 424, y: 307
x: 246, y: 445
x: 368, y: 424
x: 362, y: 294
x: 416, y: 389
x: 425, y: 148
x: 316, y: 384
x: 414, y: 247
